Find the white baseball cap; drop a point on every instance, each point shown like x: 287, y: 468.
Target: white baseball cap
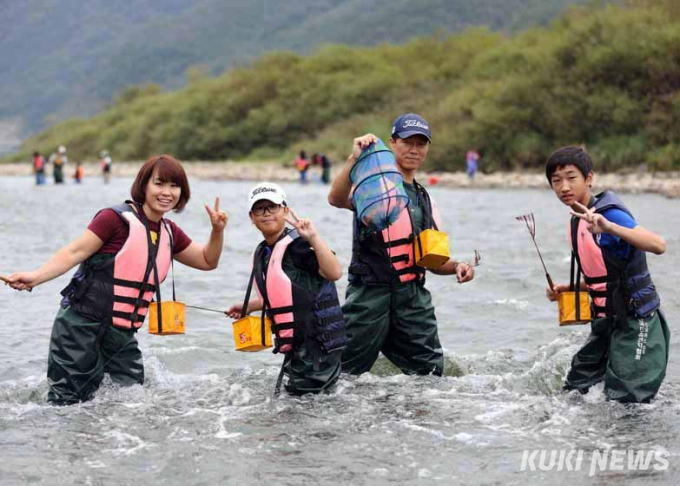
x: 266, y: 191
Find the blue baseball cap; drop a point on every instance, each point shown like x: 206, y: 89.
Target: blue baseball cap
x: 410, y: 124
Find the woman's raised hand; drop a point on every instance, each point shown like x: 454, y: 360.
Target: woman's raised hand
x: 218, y: 218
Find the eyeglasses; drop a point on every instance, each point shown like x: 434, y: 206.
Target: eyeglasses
x: 271, y: 209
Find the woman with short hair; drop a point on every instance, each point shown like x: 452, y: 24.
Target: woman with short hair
x: 124, y: 254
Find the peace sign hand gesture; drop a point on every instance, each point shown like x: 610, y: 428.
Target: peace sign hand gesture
x: 596, y: 222
x: 304, y: 226
x: 218, y: 218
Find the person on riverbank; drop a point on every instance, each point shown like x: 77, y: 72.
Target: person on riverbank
x: 124, y: 255
x: 629, y: 340
x: 295, y: 271
x: 390, y: 310
x: 39, y: 168
x: 105, y: 163
x: 58, y: 161
x: 471, y: 163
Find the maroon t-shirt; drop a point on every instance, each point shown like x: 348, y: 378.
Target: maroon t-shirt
x: 111, y: 229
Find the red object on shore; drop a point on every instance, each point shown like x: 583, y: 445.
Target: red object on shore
x: 433, y: 180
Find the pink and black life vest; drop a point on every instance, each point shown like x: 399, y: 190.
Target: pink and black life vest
x: 617, y: 287
x: 298, y: 315
x: 120, y: 287
x: 38, y: 163
x: 388, y: 256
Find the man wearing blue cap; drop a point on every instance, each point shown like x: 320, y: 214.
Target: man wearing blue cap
x: 388, y: 309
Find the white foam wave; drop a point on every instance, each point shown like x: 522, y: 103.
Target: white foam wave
x: 127, y: 444
x: 516, y: 304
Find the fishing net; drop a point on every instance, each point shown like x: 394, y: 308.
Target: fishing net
x: 379, y: 195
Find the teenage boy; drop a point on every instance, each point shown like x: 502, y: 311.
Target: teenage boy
x: 295, y: 273
x: 387, y: 307
x: 628, y: 344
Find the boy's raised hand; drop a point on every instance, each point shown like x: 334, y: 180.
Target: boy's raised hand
x: 304, y: 226
x: 596, y: 222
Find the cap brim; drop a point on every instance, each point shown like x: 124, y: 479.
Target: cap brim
x: 410, y: 133
x: 275, y: 199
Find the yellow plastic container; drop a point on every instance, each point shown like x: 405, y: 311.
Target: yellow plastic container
x: 432, y: 248
x: 174, y: 317
x: 248, y: 334
x: 566, y: 302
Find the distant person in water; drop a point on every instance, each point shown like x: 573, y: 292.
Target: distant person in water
x: 39, y: 168
x: 59, y: 161
x: 302, y: 165
x: 79, y: 173
x: 324, y: 162
x: 94, y: 331
x: 105, y: 163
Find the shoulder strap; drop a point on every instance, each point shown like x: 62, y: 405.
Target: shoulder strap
x: 575, y: 262
x: 258, y: 272
x: 172, y: 255
x: 151, y: 264
x: 428, y: 217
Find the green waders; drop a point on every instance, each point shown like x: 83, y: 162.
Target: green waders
x: 631, y: 359
x: 80, y: 355
x: 397, y: 320
x: 303, y: 378
x: 58, y: 174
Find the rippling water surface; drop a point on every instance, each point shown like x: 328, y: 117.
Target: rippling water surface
x: 206, y: 414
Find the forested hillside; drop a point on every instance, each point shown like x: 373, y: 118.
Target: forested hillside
x: 609, y: 79
x: 64, y: 58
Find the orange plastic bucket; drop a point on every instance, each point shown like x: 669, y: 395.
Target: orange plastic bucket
x: 173, y: 318
x: 248, y: 334
x: 566, y: 302
x: 432, y: 248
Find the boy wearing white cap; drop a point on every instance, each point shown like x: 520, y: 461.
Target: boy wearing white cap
x: 294, y: 271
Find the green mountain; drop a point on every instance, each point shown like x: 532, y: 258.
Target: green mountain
x: 64, y: 58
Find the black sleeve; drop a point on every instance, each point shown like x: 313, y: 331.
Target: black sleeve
x: 303, y: 256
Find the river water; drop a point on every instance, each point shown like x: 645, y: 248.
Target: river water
x: 206, y: 414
